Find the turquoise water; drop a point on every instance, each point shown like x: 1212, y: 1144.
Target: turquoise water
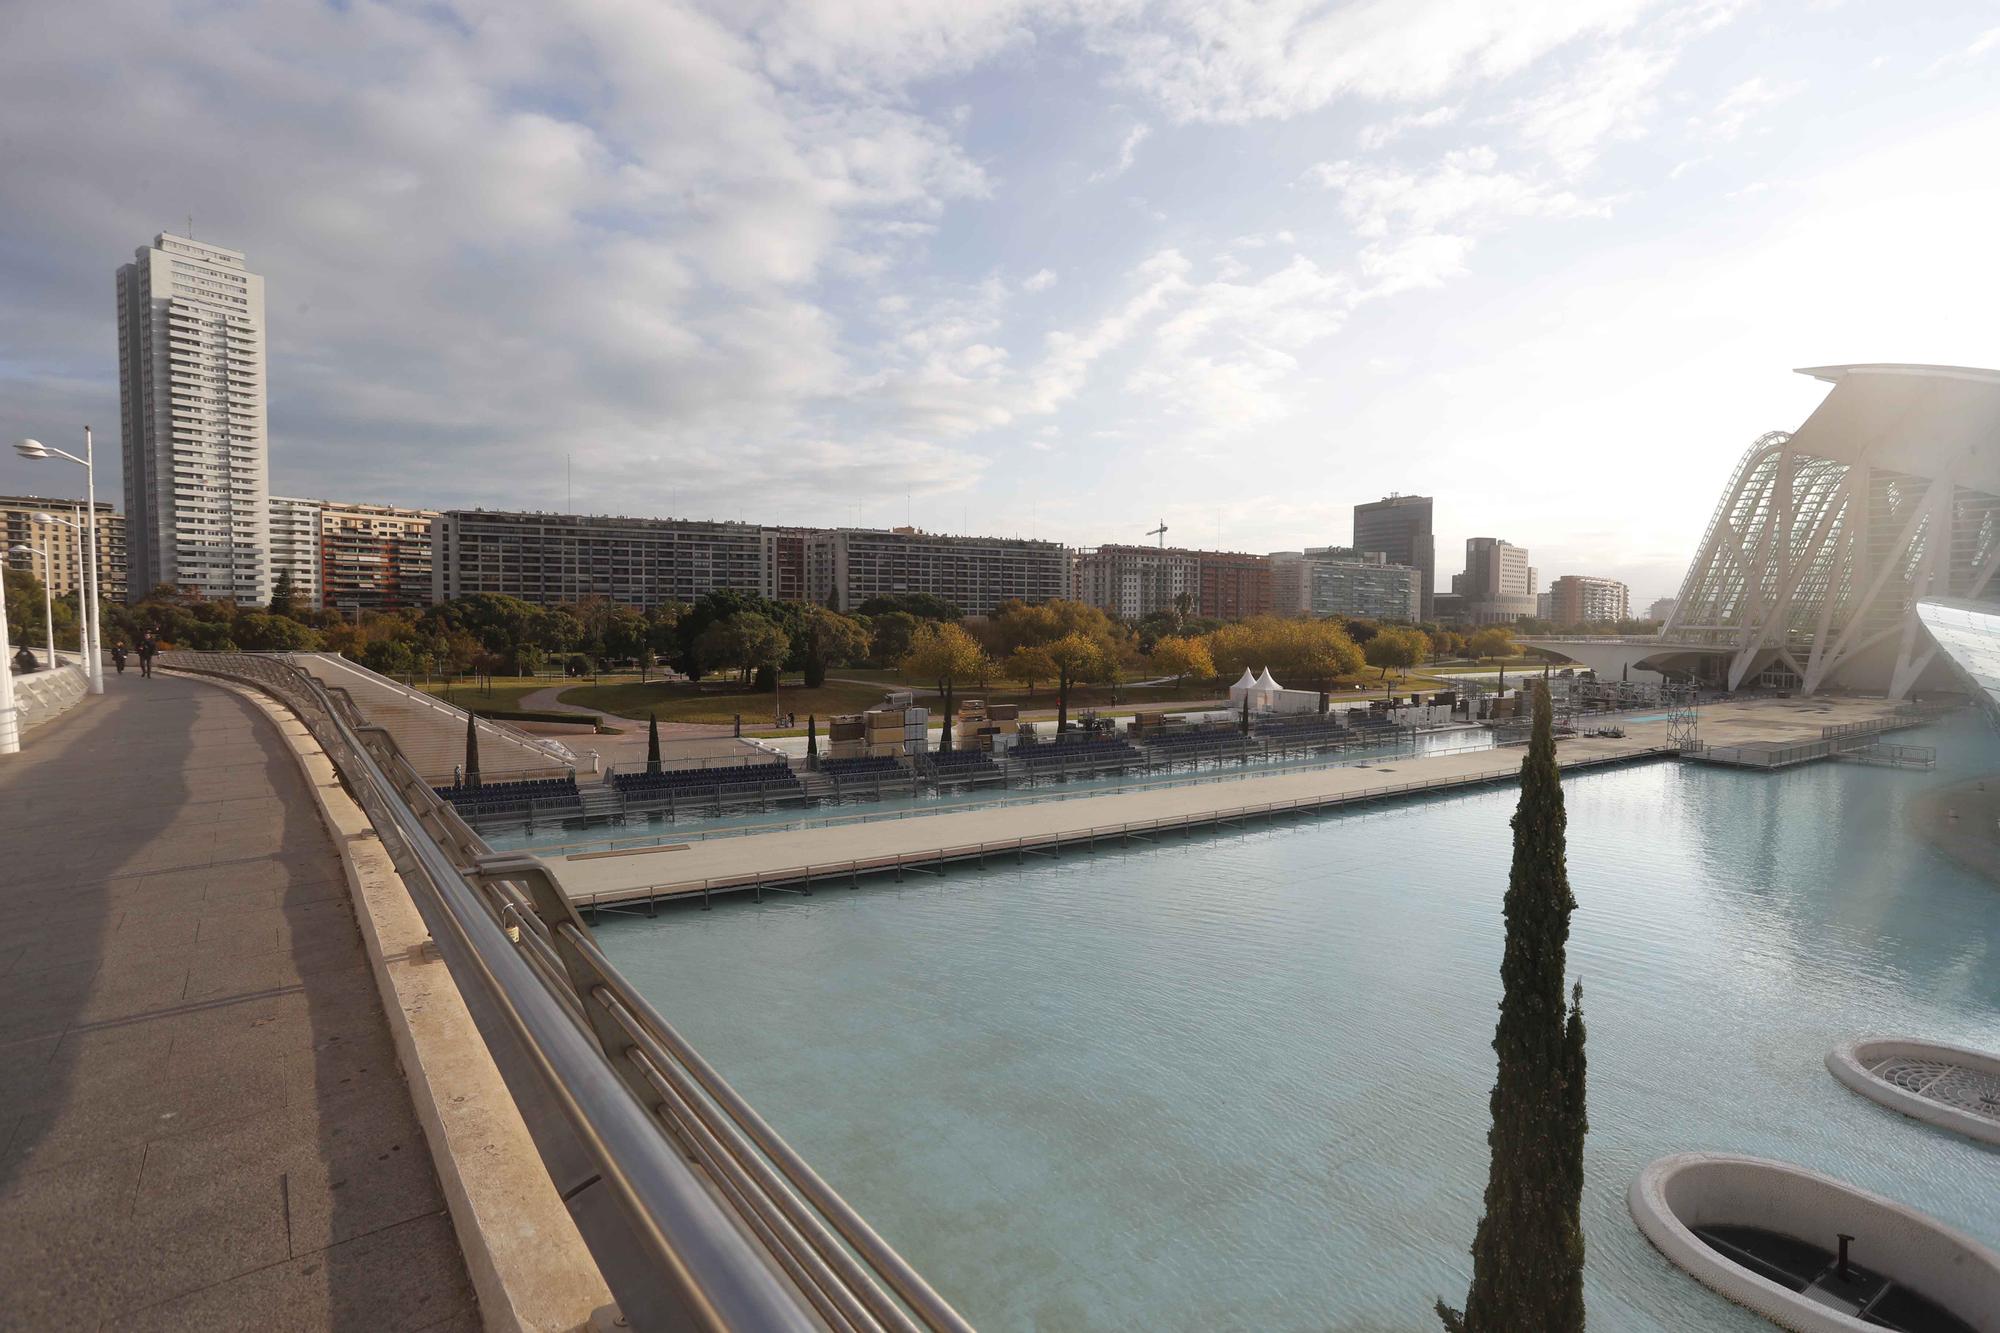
x: 1240, y: 1082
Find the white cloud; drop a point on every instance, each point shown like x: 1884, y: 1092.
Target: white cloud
x: 1972, y: 53
x: 1039, y: 281
x: 1374, y: 137
x: 1237, y: 60
x: 1128, y: 150
x: 1465, y: 190
x: 1728, y: 117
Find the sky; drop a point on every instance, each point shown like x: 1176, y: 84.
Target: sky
x: 1032, y: 267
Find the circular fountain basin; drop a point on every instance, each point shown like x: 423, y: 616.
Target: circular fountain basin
x: 1948, y: 1086
x: 1764, y: 1234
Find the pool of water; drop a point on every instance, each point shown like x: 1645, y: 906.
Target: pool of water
x: 1241, y: 1082
x: 639, y: 830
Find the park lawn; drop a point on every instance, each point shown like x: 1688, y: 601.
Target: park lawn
x: 681, y: 701
x: 506, y: 692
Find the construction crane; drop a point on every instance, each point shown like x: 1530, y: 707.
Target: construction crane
x: 1160, y: 532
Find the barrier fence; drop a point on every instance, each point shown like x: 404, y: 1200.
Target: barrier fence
x: 698, y: 1214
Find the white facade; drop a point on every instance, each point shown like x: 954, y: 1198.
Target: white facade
x: 196, y: 440
x: 848, y: 566
x: 295, y: 546
x: 1134, y: 581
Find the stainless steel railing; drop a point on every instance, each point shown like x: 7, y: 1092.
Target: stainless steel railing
x: 699, y: 1214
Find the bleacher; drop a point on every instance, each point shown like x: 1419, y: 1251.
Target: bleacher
x: 866, y: 766
x: 552, y: 796
x: 962, y: 766
x: 773, y: 779
x: 1079, y: 750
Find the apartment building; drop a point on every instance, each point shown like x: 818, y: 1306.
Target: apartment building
x: 294, y: 526
x: 196, y: 442
x: 847, y: 566
x: 1579, y: 599
x: 1234, y: 586
x: 551, y: 558
x: 374, y: 557
x: 65, y: 546
x: 1341, y: 581
x: 1134, y: 581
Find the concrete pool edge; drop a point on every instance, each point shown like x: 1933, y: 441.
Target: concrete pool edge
x: 1675, y: 1193
x: 1849, y: 1062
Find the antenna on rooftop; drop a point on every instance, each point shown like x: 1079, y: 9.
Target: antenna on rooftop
x: 190, y: 226
x: 1160, y: 532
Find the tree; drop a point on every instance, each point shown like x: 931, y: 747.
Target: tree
x: 891, y: 636
x: 1181, y: 658
x: 471, y: 751
x: 827, y: 638
x: 1077, y: 656
x: 1491, y: 642
x: 1527, y: 1256
x: 1029, y: 665
x: 652, y: 743
x: 1396, y: 647
x: 943, y: 652
x: 745, y: 640
x: 922, y: 605
x: 282, y: 596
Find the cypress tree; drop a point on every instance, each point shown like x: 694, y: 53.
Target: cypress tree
x: 471, y: 751
x: 812, y: 740
x: 652, y: 743
x: 1527, y: 1257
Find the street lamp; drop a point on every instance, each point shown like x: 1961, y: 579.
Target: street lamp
x: 91, y: 637
x: 48, y: 599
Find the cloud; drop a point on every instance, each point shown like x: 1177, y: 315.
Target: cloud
x: 1039, y: 281
x: 1374, y: 137
x: 1128, y: 149
x: 1231, y: 61
x: 1972, y: 53
x: 1466, y: 189
x: 1726, y: 120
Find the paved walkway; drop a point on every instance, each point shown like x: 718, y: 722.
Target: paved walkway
x: 202, y: 1122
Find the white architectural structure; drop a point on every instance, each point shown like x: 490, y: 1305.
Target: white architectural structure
x: 1826, y: 539
x: 295, y: 546
x: 1969, y: 634
x: 191, y: 366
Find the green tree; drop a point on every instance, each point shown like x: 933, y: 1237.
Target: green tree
x: 943, y: 652
x: 891, y: 636
x: 826, y: 638
x: 283, y: 599
x: 1527, y: 1256
x: 745, y: 641
x: 922, y: 605
x: 1492, y: 642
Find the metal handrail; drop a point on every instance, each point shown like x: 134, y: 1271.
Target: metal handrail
x: 562, y: 754
x: 698, y: 1214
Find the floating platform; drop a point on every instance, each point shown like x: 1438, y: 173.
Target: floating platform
x: 1948, y: 1086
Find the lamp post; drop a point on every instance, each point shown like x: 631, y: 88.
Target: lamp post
x: 86, y: 641
x: 90, y: 638
x: 10, y: 717
x: 48, y: 598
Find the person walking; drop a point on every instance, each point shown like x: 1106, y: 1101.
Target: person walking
x: 118, y: 656
x: 148, y: 646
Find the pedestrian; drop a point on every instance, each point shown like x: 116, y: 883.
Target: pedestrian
x: 24, y: 661
x: 118, y: 656
x: 148, y: 646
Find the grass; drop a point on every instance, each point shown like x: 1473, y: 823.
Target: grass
x: 683, y: 702
x: 506, y: 691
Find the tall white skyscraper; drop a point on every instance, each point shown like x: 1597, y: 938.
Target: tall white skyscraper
x: 197, y: 445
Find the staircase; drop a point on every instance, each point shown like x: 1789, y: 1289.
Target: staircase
x: 431, y: 732
x: 818, y: 787
x: 601, y: 800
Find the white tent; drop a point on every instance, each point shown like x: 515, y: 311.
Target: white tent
x: 1243, y: 687
x: 1265, y: 683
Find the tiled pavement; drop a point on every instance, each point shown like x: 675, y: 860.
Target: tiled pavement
x: 202, y: 1122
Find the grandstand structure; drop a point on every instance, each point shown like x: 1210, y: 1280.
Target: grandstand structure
x: 1827, y: 537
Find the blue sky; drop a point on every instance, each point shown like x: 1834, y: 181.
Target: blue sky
x: 1055, y: 268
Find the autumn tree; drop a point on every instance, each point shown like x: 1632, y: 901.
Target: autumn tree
x: 1491, y: 642
x: 826, y: 638
x: 1077, y: 657
x: 1182, y: 657
x: 943, y: 652
x: 1029, y: 665
x: 1396, y: 647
